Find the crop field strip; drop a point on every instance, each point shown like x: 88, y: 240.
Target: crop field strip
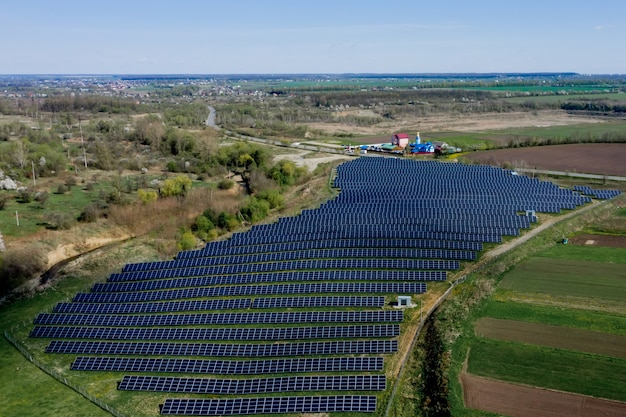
x: 115, y: 320
x: 229, y: 367
x: 379, y: 236
x: 352, y: 347
x: 269, y: 405
x: 254, y: 386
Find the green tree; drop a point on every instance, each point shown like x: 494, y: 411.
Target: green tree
x: 147, y: 196
x: 178, y: 186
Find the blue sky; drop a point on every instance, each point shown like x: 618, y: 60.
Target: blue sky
x: 304, y: 36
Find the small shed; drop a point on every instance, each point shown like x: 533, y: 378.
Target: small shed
x: 404, y: 301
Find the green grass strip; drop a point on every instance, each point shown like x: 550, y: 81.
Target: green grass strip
x: 566, y: 317
x: 581, y: 373
x: 586, y: 253
x: 571, y: 277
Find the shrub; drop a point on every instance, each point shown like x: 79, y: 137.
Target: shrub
x: 4, y: 198
x: 176, y: 187
x: 24, y: 196
x: 92, y: 212
x: 147, y: 196
x: 19, y: 265
x: 61, y: 189
x: 225, y: 184
x: 255, y: 210
x: 187, y: 241
x: 59, y: 221
x: 41, y: 197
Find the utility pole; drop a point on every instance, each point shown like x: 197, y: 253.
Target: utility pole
x: 82, y: 141
x: 34, y: 180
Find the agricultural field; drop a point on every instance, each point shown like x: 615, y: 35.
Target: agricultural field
x: 557, y: 321
x: 604, y: 159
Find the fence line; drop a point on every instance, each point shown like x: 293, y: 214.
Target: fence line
x: 61, y: 378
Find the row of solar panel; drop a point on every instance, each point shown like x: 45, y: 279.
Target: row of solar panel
x: 460, y: 228
x: 161, y: 281
x: 229, y: 367
x: 243, y: 238
x: 352, y: 347
x: 467, y: 219
x: 115, y: 320
x: 348, y: 263
x: 248, y: 290
x: 537, y: 205
x: 220, y: 249
x: 229, y: 304
x: 224, y: 334
x: 304, y: 254
x: 269, y: 405
x: 253, y: 386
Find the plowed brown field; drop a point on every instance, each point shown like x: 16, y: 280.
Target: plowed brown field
x: 524, y: 401
x: 593, y: 158
x: 553, y: 336
x: 600, y: 240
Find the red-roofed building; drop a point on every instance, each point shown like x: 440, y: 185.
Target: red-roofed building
x: 400, y: 139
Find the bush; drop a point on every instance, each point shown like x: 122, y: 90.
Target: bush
x: 187, y: 241
x: 24, y: 196
x: 92, y: 212
x: 225, y: 184
x: 273, y: 197
x: 19, y: 265
x: 255, y: 210
x: 61, y: 189
x: 176, y: 187
x: 147, y: 196
x: 58, y: 220
x: 4, y: 198
x: 41, y: 197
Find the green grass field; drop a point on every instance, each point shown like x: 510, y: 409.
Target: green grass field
x: 586, y: 253
x: 551, y: 368
x: 27, y: 390
x: 568, y: 317
x: 568, y: 277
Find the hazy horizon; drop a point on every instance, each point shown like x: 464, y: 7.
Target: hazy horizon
x: 324, y: 37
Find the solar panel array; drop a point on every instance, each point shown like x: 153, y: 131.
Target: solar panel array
x: 254, y: 386
x: 269, y: 405
x: 382, y: 236
x: 222, y: 367
x: 596, y: 193
x: 356, y: 347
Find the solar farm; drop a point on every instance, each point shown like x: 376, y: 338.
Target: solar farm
x: 298, y: 316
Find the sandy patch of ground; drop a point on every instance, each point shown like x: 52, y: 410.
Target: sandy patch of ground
x: 303, y: 158
x: 475, y: 122
x: 69, y: 250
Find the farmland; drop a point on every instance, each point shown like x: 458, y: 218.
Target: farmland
x: 556, y: 319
